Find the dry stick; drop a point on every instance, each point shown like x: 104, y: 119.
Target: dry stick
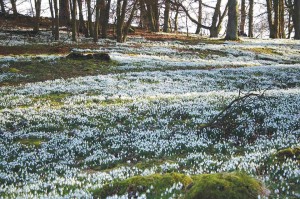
x: 216, y: 118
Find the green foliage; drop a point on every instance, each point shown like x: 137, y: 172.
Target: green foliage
x: 224, y: 186
x: 142, y: 183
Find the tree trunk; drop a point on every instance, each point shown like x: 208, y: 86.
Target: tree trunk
x: 176, y: 19
x: 143, y: 15
x: 56, y: 20
x: 64, y: 14
x: 250, y: 28
x: 276, y: 18
x: 270, y: 19
x: 90, y: 23
x: 2, y: 7
x: 128, y: 23
x: 105, y: 19
x: 52, y: 17
x: 296, y: 19
x: 232, y: 26
x: 199, y: 17
x: 281, y: 19
x: 37, y: 5
x: 213, y: 30
x: 153, y: 14
x: 166, y: 16
x: 14, y: 7
x: 82, y: 27
x: 97, y: 20
x: 290, y: 8
x: 121, y: 11
x: 243, y: 17
x: 74, y: 20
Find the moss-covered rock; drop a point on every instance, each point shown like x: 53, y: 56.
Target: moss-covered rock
x: 293, y: 153
x: 205, y: 186
x: 157, y: 182
x: 224, y: 186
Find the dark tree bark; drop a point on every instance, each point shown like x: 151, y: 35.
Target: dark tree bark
x: 74, y: 20
x: 176, y: 18
x: 97, y: 20
x: 250, y: 27
x: 14, y: 7
x: 153, y: 15
x: 90, y: 23
x: 56, y: 11
x: 122, y: 26
x: 64, y: 14
x: 121, y: 11
x: 143, y: 15
x: 275, y: 11
x: 296, y: 19
x: 105, y: 19
x: 82, y: 26
x: 290, y: 8
x: 199, y: 17
x: 243, y: 17
x: 232, y: 26
x: 37, y: 5
x: 270, y: 19
x: 167, y: 16
x: 52, y: 17
x: 2, y: 7
x: 281, y: 19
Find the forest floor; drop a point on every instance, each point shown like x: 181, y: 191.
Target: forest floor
x: 68, y: 128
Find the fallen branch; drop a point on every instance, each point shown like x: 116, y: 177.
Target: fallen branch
x: 217, y: 120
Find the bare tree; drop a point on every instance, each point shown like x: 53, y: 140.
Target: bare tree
x: 73, y: 6
x: 37, y: 5
x: 296, y: 19
x: 199, y: 17
x: 217, y: 18
x: 56, y: 19
x: 122, y: 25
x: 90, y: 23
x: 2, y: 6
x: 105, y: 18
x: 275, y: 11
x: 64, y: 14
x: 97, y: 20
x: 166, y: 16
x: 232, y: 26
x: 14, y: 7
x: 243, y: 17
x: 82, y: 26
x: 250, y: 27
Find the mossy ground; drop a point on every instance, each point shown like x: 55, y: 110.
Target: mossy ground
x: 292, y: 153
x: 267, y: 51
x: 224, y: 186
x: 42, y: 70
x: 205, y: 186
x: 35, y: 142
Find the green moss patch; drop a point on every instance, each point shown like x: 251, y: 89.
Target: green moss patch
x: 156, y: 182
x: 268, y: 51
x: 224, y: 186
x: 37, y: 70
x: 205, y: 186
x: 35, y: 142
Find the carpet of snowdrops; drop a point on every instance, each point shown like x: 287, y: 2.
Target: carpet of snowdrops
x: 66, y: 137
